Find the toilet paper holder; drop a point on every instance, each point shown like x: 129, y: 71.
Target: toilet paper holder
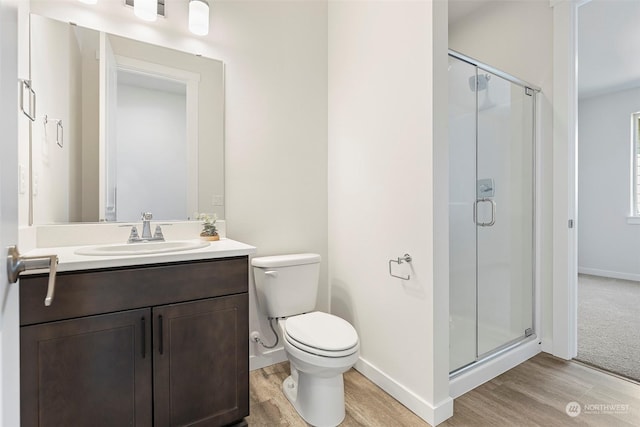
x: 400, y: 260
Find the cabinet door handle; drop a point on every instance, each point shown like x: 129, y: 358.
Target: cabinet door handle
x: 143, y: 326
x: 160, y: 335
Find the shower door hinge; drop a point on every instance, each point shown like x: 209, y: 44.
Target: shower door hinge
x: 528, y: 91
x: 528, y: 332
x: 570, y: 223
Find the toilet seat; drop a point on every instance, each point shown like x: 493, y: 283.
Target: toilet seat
x: 321, y: 334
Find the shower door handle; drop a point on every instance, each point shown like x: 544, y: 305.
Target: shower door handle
x: 493, y: 212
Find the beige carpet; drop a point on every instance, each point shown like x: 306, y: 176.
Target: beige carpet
x: 609, y: 324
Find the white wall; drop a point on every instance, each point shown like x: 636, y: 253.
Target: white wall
x: 388, y: 192
x: 276, y: 135
x: 516, y: 37
x: 607, y: 244
x: 275, y: 54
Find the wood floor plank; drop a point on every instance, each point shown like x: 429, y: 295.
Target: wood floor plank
x: 363, y: 398
x: 535, y: 393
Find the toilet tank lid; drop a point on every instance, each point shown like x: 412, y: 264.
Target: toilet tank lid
x: 285, y: 260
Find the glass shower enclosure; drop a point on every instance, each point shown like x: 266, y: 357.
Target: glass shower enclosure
x: 491, y: 211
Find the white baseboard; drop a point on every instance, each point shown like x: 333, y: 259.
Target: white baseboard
x: 607, y: 273
x: 267, y: 358
x: 492, y: 368
x: 434, y: 414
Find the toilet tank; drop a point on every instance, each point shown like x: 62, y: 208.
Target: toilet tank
x: 286, y: 285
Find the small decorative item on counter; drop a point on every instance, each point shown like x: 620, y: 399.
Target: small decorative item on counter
x: 209, y: 230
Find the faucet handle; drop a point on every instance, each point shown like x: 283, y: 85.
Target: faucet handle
x: 133, y: 236
x: 157, y: 234
x: 146, y: 216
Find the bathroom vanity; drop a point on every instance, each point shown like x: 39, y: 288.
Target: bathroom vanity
x: 137, y: 341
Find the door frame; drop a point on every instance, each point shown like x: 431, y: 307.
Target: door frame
x: 9, y: 307
x: 564, y: 342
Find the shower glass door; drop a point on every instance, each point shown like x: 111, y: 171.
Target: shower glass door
x: 504, y: 212
x: 491, y: 122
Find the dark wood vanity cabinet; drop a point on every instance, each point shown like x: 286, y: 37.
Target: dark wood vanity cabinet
x: 177, y: 357
x: 200, y: 368
x: 86, y: 372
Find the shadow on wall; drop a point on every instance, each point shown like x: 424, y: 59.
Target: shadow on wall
x: 342, y: 303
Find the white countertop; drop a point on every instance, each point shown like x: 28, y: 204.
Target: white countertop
x: 68, y: 260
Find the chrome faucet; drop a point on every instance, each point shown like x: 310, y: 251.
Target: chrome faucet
x: 146, y: 224
x: 146, y: 231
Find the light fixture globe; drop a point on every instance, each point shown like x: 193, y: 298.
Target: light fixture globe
x: 199, y: 17
x: 146, y: 10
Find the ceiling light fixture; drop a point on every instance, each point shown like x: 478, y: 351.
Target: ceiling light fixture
x: 89, y: 1
x: 199, y: 17
x: 146, y: 10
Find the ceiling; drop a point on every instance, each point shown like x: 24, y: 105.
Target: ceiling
x: 608, y: 42
x: 460, y: 9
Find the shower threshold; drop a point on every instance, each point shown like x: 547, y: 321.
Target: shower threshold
x: 498, y: 362
x: 486, y: 357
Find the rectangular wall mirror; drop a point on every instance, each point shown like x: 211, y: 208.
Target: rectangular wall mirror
x: 122, y: 127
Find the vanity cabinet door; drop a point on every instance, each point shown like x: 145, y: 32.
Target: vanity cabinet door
x: 201, y: 362
x: 91, y: 371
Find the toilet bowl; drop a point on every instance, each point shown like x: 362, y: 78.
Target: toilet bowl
x: 320, y: 346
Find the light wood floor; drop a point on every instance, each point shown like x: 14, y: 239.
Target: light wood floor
x: 534, y: 393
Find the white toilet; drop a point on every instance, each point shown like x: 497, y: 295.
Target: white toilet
x: 320, y: 346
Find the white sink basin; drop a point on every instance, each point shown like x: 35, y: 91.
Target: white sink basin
x: 142, y: 248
